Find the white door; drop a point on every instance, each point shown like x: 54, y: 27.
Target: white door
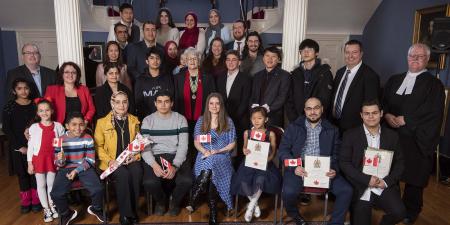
x: 45, y: 40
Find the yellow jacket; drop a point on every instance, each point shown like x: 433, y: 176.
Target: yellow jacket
x: 106, y: 138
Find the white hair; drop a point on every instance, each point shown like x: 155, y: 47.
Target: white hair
x: 192, y: 51
x: 422, y: 46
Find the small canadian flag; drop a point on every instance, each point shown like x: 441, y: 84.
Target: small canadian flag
x: 258, y: 135
x: 204, y: 138
x: 135, y: 147
x: 293, y: 162
x: 165, y: 164
x: 57, y: 142
x: 371, y: 162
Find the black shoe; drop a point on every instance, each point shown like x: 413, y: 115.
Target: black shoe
x: 173, y: 211
x: 36, y: 208
x: 212, y: 204
x: 300, y: 221
x: 125, y: 220
x: 409, y: 220
x: 305, y: 199
x: 160, y: 209
x: 69, y: 217
x: 97, y: 213
x: 25, y: 209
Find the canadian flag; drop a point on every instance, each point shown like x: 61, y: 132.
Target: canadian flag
x: 57, y: 142
x: 293, y: 162
x: 165, y: 164
x: 258, y: 135
x: 371, y: 162
x: 204, y: 138
x: 135, y: 147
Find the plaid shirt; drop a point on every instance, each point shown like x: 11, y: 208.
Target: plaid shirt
x: 312, y: 146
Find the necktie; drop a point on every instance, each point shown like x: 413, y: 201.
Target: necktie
x: 238, y: 47
x: 337, y: 106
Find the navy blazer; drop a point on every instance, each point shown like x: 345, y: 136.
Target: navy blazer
x: 48, y: 77
x: 294, y: 139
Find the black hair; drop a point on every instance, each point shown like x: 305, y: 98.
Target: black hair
x: 154, y: 50
x: 110, y: 65
x: 106, y: 58
x: 125, y: 6
x: 309, y: 43
x: 241, y: 21
x: 372, y: 102
x: 354, y: 42
x: 147, y: 22
x: 275, y: 50
x: 119, y: 25
x: 16, y: 82
x: 73, y: 115
x: 158, y: 18
x: 208, y: 62
x: 232, y: 52
x: 164, y: 93
x: 260, y: 109
x: 60, y: 79
x: 260, y: 48
x: 42, y: 101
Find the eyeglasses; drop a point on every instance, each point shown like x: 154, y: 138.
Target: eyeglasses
x: 31, y: 53
x: 313, y: 108
x: 70, y: 72
x: 232, y: 60
x: 415, y: 57
x: 192, y: 59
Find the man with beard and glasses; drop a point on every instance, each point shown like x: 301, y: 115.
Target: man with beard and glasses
x: 313, y: 135
x: 252, y: 55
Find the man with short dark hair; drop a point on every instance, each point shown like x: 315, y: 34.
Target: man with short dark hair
x: 126, y: 18
x: 149, y: 84
x: 121, y: 33
x: 313, y: 135
x: 252, y: 55
x: 414, y: 106
x: 354, y: 83
x: 39, y: 77
x: 309, y: 79
x: 239, y: 30
x: 136, y: 52
x: 370, y: 191
x: 169, y: 133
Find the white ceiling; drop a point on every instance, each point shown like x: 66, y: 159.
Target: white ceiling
x: 324, y: 16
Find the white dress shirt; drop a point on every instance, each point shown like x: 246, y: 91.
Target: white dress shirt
x: 351, y: 75
x: 408, y: 83
x: 230, y: 79
x: 235, y: 45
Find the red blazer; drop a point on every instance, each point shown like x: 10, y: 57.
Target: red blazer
x: 58, y: 96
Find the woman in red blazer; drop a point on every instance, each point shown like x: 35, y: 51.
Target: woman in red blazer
x: 69, y: 95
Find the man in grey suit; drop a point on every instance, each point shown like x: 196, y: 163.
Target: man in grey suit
x: 38, y: 76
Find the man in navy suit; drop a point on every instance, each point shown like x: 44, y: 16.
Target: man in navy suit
x: 239, y: 31
x: 314, y: 136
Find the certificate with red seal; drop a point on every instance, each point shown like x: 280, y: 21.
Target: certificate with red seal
x: 259, y: 151
x: 316, y: 168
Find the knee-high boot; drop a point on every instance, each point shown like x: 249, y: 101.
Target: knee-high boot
x: 200, y: 185
x: 212, y: 203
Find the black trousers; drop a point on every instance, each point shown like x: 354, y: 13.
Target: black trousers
x: 161, y: 188
x: 389, y: 201
x: 20, y: 164
x: 62, y: 185
x: 413, y: 200
x: 127, y: 181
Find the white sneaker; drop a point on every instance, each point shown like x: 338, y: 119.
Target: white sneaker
x: 54, y: 212
x: 249, y: 214
x: 257, y: 212
x: 48, y: 215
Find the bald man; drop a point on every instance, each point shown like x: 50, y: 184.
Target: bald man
x: 313, y: 135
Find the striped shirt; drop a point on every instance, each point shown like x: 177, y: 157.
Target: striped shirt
x: 79, y: 153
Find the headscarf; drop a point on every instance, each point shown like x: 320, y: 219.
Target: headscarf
x: 171, y: 63
x: 215, y: 28
x: 190, y: 36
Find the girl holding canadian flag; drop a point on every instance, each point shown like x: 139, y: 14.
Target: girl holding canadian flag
x: 252, y: 182
x: 215, y: 138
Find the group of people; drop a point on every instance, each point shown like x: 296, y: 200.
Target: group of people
x: 201, y: 118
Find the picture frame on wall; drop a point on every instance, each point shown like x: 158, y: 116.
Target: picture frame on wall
x: 423, y: 28
x: 97, y: 51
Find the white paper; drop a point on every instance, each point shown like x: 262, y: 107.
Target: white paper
x: 259, y: 151
x: 377, y: 162
x: 316, y: 167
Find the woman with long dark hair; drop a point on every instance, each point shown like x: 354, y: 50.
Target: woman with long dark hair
x: 165, y: 27
x: 114, y: 55
x: 214, y: 63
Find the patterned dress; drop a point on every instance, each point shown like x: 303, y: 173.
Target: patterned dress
x: 247, y: 181
x: 220, y: 164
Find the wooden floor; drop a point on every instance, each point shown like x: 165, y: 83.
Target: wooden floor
x: 436, y: 208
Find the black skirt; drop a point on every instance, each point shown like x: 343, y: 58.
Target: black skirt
x: 247, y: 181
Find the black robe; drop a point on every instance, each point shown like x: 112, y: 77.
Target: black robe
x: 423, y: 111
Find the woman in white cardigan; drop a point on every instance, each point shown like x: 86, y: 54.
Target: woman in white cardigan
x: 165, y: 28
x: 192, y: 36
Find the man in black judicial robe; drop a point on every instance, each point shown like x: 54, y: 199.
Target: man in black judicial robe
x: 414, y: 105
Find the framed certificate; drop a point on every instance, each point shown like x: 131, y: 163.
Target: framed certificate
x: 377, y: 162
x: 317, y: 167
x: 259, y: 151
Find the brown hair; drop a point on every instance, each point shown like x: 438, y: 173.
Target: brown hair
x: 119, y: 59
x: 59, y: 77
x: 223, y: 117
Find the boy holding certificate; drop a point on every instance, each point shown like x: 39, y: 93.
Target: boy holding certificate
x: 371, y: 190
x: 312, y: 136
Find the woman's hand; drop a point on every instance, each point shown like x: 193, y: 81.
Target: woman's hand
x: 246, y: 151
x: 23, y: 150
x: 113, y: 163
x: 30, y: 168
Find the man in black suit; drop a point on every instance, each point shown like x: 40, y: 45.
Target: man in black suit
x: 239, y: 30
x: 136, y: 53
x: 235, y: 87
x: 354, y: 83
x: 126, y: 18
x: 369, y: 191
x: 310, y: 79
x: 270, y: 86
x: 38, y: 76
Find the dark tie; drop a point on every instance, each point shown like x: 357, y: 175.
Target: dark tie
x: 238, y: 47
x: 337, y: 106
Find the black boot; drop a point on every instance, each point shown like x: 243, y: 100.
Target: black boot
x: 199, y: 186
x: 212, y: 204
